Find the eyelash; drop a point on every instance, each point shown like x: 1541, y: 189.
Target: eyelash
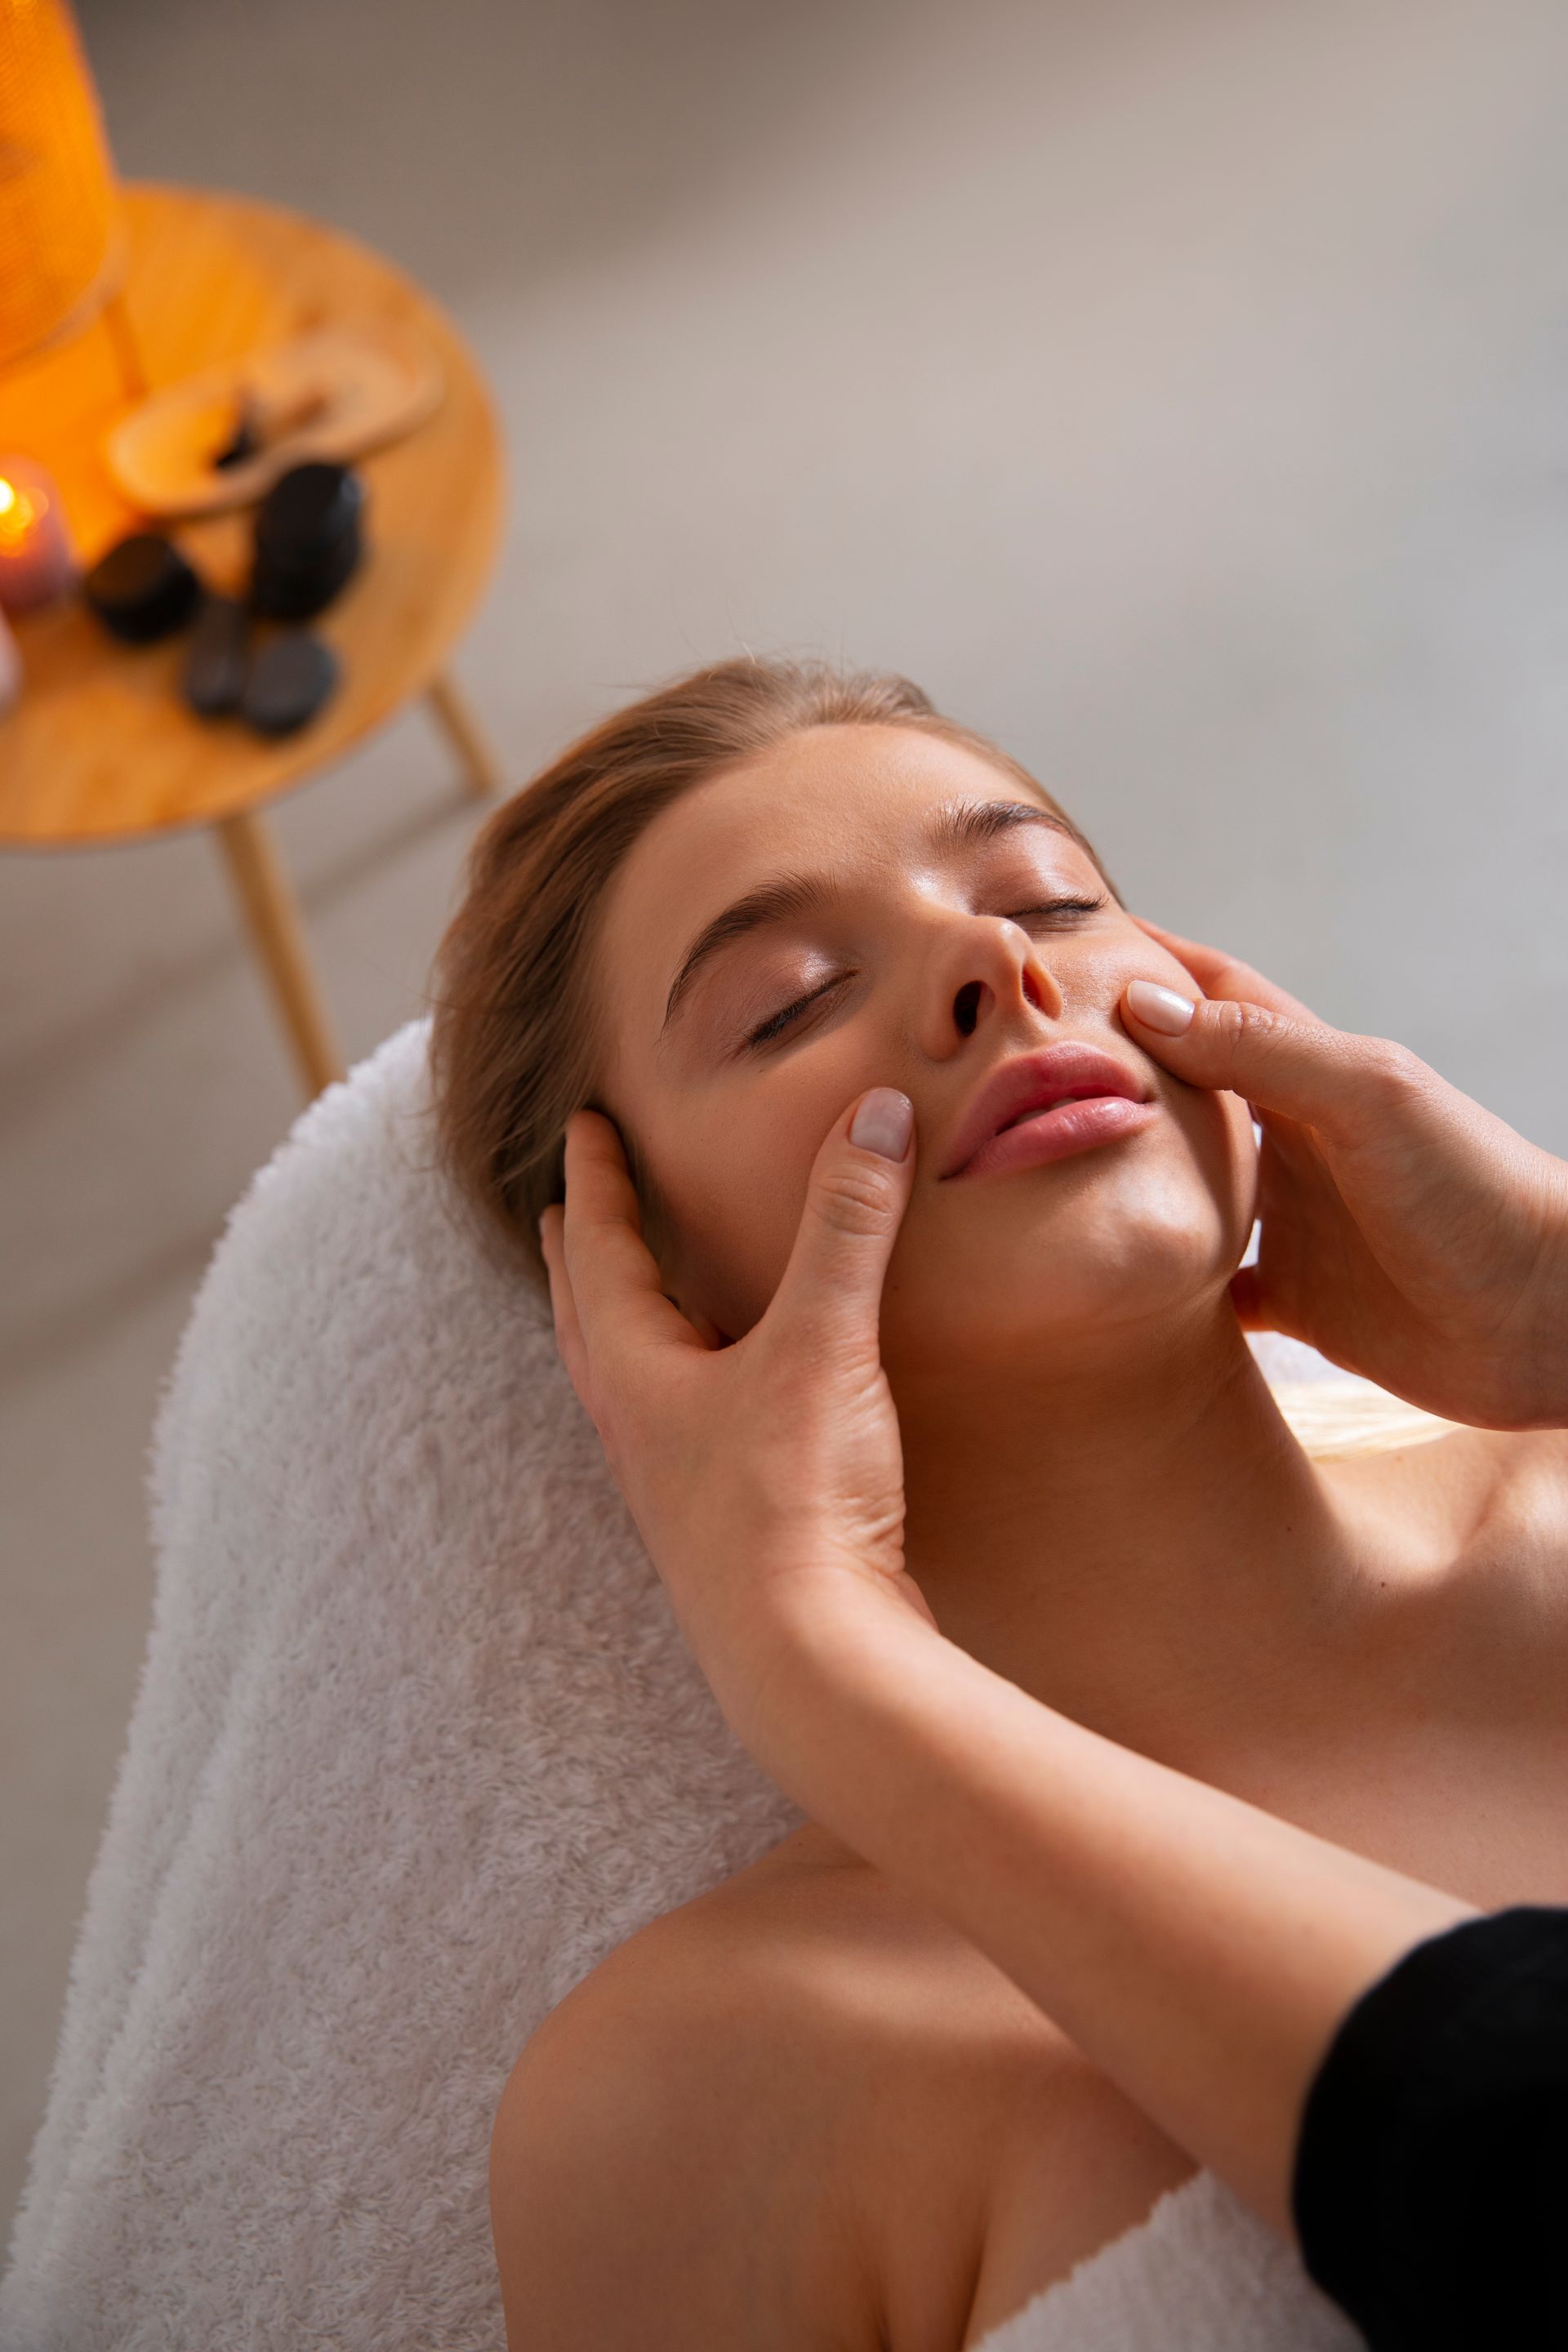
x: 778, y: 1023
x: 1060, y: 907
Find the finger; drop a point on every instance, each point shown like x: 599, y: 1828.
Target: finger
x: 562, y: 1305
x: 616, y: 1287
x: 855, y: 1202
x: 1218, y: 974
x: 1297, y: 1068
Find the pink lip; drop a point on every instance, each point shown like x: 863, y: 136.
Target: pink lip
x: 1048, y: 1104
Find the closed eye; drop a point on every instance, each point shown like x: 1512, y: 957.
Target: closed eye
x: 1058, y: 907
x: 777, y: 1023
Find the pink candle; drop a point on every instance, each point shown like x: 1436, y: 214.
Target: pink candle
x: 35, y: 560
x: 10, y: 668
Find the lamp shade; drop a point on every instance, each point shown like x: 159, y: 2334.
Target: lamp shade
x: 56, y: 186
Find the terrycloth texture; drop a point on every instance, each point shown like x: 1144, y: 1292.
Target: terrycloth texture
x: 416, y: 1744
x: 1200, y: 2275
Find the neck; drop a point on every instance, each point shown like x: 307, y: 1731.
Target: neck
x: 1134, y: 1537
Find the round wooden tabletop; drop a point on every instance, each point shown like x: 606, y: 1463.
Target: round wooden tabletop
x: 100, y: 747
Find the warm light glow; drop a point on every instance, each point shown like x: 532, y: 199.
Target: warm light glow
x: 56, y: 191
x: 19, y: 510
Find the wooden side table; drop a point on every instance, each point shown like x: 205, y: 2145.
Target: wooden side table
x: 101, y: 749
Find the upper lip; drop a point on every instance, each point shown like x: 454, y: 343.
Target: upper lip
x: 1031, y: 1082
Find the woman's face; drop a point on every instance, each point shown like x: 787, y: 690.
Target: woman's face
x: 869, y: 905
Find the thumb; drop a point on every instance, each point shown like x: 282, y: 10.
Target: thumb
x: 1282, y: 1062
x: 855, y: 1202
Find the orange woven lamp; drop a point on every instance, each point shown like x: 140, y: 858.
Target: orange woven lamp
x: 58, y: 205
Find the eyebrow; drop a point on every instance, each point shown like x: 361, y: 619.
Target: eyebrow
x: 771, y: 902
x: 960, y: 824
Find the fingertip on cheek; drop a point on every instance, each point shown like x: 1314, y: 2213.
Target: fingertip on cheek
x: 1164, y: 1010
x: 884, y: 1123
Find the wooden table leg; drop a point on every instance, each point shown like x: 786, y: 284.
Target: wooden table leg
x: 482, y: 771
x: 272, y: 916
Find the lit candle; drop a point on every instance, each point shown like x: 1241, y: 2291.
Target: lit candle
x: 10, y: 668
x: 35, y: 560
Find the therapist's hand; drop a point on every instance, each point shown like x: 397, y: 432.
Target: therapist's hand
x: 1407, y: 1233
x: 766, y: 1477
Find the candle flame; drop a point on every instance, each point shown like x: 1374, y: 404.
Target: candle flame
x: 18, y: 512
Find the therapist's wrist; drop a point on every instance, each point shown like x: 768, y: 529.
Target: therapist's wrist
x: 805, y: 1677
x: 1544, y: 1374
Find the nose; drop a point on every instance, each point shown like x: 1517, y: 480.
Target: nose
x: 986, y: 966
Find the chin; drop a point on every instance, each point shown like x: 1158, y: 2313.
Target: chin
x: 1109, y: 1238
x: 1027, y: 1272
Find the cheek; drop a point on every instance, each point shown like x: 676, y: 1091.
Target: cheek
x: 1218, y: 1132
x: 734, y: 1225
x: 732, y: 1191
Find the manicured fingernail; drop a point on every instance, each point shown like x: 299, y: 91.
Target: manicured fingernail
x: 1160, y: 1008
x: 884, y: 1123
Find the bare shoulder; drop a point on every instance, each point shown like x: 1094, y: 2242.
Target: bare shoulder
x: 661, y: 2167
x: 1512, y: 1591
x: 1492, y: 1502
x: 799, y: 2113
x: 1472, y: 1553
x: 1529, y: 1481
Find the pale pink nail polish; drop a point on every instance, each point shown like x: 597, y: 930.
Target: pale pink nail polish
x: 1160, y: 1008
x: 884, y: 1123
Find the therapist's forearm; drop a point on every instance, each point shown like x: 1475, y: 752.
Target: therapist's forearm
x: 1200, y: 1951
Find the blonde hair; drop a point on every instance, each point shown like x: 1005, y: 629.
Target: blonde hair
x: 512, y: 1042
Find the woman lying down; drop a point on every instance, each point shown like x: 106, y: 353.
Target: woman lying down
x: 804, y: 2110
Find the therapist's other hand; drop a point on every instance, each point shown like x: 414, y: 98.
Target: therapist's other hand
x: 765, y: 1475
x: 1407, y: 1233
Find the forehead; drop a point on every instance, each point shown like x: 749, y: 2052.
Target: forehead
x: 838, y: 799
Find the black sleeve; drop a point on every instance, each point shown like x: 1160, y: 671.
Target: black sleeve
x: 1431, y: 2182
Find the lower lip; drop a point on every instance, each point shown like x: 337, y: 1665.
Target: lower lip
x: 1060, y: 1134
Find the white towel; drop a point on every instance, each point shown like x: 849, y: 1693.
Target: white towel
x: 416, y: 1743
x: 1202, y: 2274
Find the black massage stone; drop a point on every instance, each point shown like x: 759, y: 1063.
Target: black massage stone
x: 143, y: 589
x: 290, y: 678
x: 308, y: 540
x: 218, y: 659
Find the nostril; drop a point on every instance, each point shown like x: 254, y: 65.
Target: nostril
x: 966, y: 1008
x: 1029, y: 972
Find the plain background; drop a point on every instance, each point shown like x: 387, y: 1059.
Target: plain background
x: 1177, y: 388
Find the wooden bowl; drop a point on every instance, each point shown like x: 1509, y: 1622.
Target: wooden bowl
x: 337, y: 393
